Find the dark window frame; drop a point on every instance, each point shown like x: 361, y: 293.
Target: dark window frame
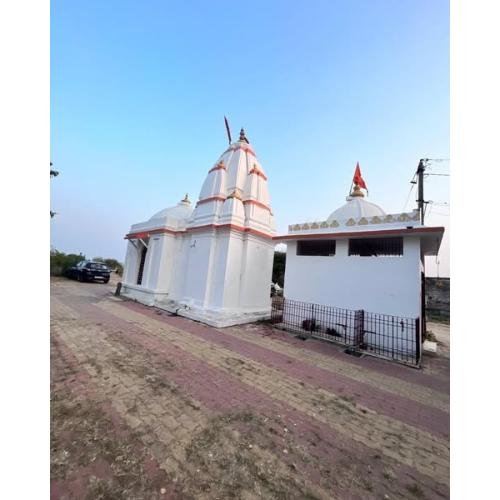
x: 99, y: 266
x: 316, y: 248
x: 391, y: 246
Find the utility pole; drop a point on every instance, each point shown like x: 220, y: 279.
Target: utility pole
x: 420, y: 178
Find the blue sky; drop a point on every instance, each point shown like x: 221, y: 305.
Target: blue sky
x: 139, y: 91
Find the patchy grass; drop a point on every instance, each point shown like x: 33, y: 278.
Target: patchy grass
x: 241, y: 467
x: 82, y: 438
x: 415, y: 490
x: 87, y: 446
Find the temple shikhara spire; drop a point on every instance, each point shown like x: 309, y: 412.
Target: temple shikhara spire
x: 211, y: 262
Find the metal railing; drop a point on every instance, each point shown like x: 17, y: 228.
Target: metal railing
x: 381, y: 335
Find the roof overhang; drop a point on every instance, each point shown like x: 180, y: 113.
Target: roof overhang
x: 430, y: 237
x: 216, y: 227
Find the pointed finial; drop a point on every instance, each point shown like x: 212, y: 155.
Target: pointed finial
x: 357, y: 191
x: 186, y: 199
x: 243, y: 136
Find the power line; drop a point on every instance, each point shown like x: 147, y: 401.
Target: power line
x: 409, y: 193
x: 424, y: 164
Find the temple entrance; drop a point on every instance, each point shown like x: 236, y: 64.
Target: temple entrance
x: 141, y: 264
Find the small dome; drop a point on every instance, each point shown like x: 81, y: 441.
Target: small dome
x: 181, y: 211
x: 355, y: 208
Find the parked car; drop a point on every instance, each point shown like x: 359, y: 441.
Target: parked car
x: 87, y: 270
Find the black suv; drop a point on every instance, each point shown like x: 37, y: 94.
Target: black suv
x: 86, y: 270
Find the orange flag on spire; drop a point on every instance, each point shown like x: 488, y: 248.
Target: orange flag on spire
x: 358, y: 179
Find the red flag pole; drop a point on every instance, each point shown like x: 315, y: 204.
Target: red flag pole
x: 227, y: 130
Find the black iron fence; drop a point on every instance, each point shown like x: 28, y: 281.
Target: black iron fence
x: 381, y: 335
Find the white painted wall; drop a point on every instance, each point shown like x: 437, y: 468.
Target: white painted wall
x: 198, y: 265
x: 162, y: 249
x: 257, y: 273
x: 387, y: 285
x: 131, y: 264
x: 383, y: 285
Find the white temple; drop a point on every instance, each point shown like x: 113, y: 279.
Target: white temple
x: 212, y: 263
x: 360, y: 258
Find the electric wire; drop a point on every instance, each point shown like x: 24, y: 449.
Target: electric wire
x: 412, y: 182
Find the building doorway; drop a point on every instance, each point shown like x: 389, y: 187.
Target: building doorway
x: 141, y: 264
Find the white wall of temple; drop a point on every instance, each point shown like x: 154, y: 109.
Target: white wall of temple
x: 180, y: 256
x: 206, y: 213
x: 161, y: 254
x: 225, y: 282
x: 131, y: 265
x: 258, y: 217
x: 387, y: 285
x: 212, y: 269
x: 228, y: 270
x: 257, y: 273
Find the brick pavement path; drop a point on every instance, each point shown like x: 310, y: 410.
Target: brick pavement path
x: 149, y: 405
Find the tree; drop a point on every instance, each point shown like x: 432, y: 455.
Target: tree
x: 279, y: 268
x: 60, y: 262
x: 113, y: 264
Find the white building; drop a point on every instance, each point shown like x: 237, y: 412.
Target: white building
x: 359, y: 258
x: 212, y: 263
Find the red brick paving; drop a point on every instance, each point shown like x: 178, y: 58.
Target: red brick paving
x: 321, y: 451
x: 411, y: 412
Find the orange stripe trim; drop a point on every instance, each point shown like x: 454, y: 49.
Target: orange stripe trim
x: 217, y: 167
x: 217, y: 227
x: 257, y: 172
x: 257, y: 203
x: 319, y: 236
x: 244, y: 148
x: 145, y: 234
x: 213, y: 198
x: 231, y: 227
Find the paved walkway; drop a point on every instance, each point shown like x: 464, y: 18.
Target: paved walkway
x: 149, y: 405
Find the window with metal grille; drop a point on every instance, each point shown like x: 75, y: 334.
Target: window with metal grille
x: 323, y: 248
x: 373, y: 247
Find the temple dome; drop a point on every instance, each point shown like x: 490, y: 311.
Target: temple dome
x: 181, y: 211
x: 355, y: 208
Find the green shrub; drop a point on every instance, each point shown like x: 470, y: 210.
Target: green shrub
x: 279, y: 268
x: 113, y: 264
x: 60, y: 262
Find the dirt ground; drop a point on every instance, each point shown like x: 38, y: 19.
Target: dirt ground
x: 441, y: 332
x: 147, y: 405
